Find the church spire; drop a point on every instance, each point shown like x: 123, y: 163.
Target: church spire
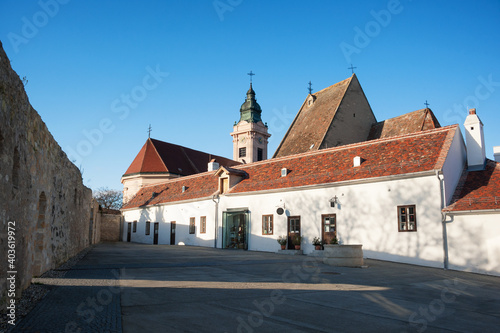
x: 250, y: 110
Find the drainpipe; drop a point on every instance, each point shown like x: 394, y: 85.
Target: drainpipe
x: 215, y: 199
x: 440, y: 177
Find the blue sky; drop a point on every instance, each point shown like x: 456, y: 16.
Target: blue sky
x: 99, y: 72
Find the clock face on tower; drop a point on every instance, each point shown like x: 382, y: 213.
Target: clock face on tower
x: 243, y: 140
x: 260, y: 139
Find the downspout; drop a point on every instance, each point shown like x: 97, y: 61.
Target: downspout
x: 215, y: 199
x: 440, y: 177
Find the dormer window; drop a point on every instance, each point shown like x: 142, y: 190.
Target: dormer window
x: 229, y: 177
x: 310, y: 100
x: 224, y: 185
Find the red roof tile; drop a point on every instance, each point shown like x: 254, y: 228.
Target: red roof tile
x: 417, y: 152
x: 196, y: 186
x: 162, y: 157
x: 478, y: 190
x: 412, y: 122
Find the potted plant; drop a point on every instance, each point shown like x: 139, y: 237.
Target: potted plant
x: 317, y: 243
x: 296, y: 240
x: 282, y: 241
x: 334, y: 240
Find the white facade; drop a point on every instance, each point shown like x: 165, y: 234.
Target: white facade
x: 474, y: 242
x: 366, y: 214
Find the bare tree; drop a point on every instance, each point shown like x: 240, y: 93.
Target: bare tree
x: 107, y: 198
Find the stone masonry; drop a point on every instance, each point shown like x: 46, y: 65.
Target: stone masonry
x: 41, y: 190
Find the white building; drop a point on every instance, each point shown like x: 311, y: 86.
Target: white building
x: 403, y: 192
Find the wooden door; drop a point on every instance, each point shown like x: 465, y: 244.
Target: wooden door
x: 328, y: 227
x: 172, y: 233
x: 293, y: 230
x: 155, y: 239
x: 129, y: 231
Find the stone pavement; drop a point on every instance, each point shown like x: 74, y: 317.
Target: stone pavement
x: 160, y: 288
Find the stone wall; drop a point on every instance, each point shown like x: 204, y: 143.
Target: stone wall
x: 40, y: 190
x: 111, y: 222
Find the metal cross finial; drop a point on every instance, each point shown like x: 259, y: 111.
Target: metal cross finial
x: 149, y: 131
x: 310, y: 88
x: 352, y: 68
x: 426, y: 104
x: 251, y: 74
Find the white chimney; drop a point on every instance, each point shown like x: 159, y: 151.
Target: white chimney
x: 496, y: 153
x: 357, y: 161
x: 474, y: 136
x: 213, y: 165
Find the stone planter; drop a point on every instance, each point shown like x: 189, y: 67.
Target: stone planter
x: 343, y: 255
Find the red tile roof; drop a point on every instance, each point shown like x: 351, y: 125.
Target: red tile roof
x: 478, y: 190
x: 420, y: 120
x: 197, y: 186
x: 417, y: 152
x: 162, y: 157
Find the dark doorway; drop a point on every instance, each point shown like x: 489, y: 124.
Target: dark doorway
x: 129, y: 231
x: 235, y: 229
x: 172, y: 233
x: 328, y: 227
x: 155, y: 236
x: 293, y: 230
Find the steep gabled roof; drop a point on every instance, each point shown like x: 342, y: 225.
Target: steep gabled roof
x: 162, y: 157
x: 478, y: 190
x: 416, y: 121
x: 407, y: 154
x: 311, y: 123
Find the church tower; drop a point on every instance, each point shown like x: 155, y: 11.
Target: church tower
x: 250, y: 136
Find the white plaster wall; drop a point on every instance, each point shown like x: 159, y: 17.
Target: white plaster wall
x: 181, y: 214
x: 366, y: 214
x: 474, y: 243
x: 454, y: 165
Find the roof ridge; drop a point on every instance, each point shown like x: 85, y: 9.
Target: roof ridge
x: 351, y: 145
x: 333, y: 85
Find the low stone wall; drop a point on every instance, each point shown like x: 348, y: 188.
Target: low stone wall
x: 343, y: 255
x: 42, y: 197
x: 111, y: 222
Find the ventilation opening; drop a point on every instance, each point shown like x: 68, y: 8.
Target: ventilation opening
x: 15, y: 169
x: 284, y: 172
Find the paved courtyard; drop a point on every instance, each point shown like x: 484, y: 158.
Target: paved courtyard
x: 124, y: 287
